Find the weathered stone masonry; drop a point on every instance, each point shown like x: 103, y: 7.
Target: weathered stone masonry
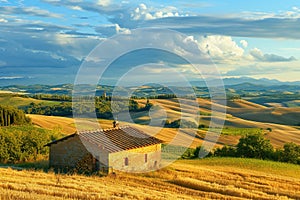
x: 126, y: 149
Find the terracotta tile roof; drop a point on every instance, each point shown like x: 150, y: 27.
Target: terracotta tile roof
x: 115, y: 139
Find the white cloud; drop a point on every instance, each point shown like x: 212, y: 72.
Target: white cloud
x: 143, y: 6
x: 34, y: 11
x: 10, y: 77
x: 3, y: 20
x: 103, y: 3
x: 72, y: 45
x: 293, y: 13
x: 75, y: 7
x: 121, y: 30
x: 148, y: 16
x: 142, y: 12
x: 221, y: 48
x: 258, y: 55
x: 244, y: 43
x: 111, y: 29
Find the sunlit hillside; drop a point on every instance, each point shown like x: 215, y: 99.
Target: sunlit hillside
x: 238, y: 112
x: 18, y: 101
x: 66, y: 124
x: 279, y: 134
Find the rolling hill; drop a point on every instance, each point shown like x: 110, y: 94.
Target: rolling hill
x: 66, y: 124
x: 279, y: 120
x: 282, y: 121
x: 235, y: 118
x: 19, y: 101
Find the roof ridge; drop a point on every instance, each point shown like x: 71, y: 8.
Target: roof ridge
x: 88, y: 131
x: 104, y: 130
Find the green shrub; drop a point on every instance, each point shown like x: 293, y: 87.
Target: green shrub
x: 225, y: 151
x: 291, y: 153
x: 180, y: 124
x: 24, y: 143
x: 255, y: 146
x: 204, y: 151
x: 202, y: 126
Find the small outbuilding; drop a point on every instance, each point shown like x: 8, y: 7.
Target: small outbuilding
x: 121, y: 148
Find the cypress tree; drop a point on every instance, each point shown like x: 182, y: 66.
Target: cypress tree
x: 12, y: 116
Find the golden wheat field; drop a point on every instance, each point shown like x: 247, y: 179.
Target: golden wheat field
x: 213, y: 178
x: 242, y: 114
x: 65, y: 124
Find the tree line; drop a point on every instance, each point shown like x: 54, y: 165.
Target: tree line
x: 52, y: 97
x: 62, y: 109
x: 12, y: 116
x: 103, y: 107
x: 254, y: 146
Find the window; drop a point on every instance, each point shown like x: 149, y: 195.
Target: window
x: 155, y: 164
x: 146, y: 158
x: 126, y: 162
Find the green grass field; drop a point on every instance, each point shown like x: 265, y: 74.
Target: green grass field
x: 236, y: 131
x: 272, y: 167
x: 18, y: 101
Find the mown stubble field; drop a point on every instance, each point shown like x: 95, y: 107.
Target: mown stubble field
x: 213, y: 178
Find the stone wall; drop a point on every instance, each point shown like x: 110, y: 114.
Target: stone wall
x: 67, y: 153
x: 136, y: 159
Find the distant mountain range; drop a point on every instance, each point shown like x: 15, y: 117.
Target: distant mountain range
x: 4, y: 82
x: 241, y: 80
x: 232, y: 81
x: 234, y: 86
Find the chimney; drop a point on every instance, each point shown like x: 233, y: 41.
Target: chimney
x: 115, y: 124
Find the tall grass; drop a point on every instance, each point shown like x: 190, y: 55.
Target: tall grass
x: 213, y: 178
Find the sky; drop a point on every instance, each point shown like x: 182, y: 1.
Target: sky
x: 48, y: 41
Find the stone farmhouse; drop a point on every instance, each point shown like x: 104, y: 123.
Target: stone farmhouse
x: 120, y: 148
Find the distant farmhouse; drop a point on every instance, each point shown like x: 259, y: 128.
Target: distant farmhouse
x: 120, y: 148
